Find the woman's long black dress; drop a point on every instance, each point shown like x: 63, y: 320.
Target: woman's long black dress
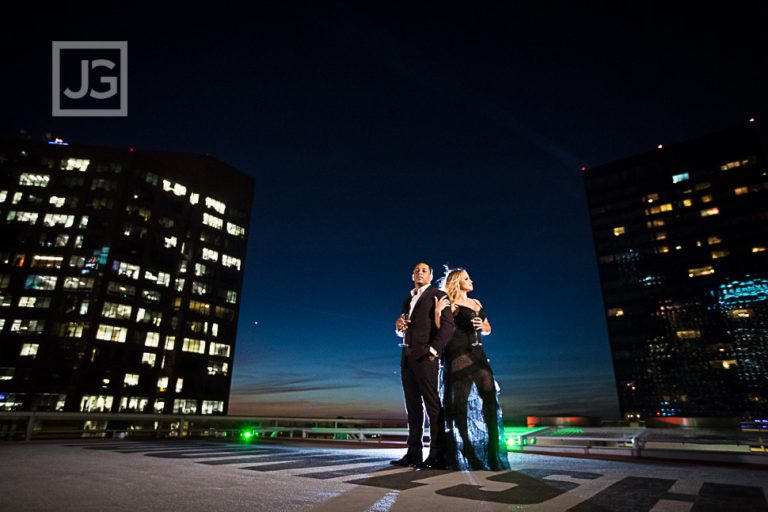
x: 473, y: 417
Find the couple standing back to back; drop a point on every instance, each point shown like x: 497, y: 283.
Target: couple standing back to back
x: 429, y: 330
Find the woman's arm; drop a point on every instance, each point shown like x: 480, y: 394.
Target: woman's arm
x: 440, y: 305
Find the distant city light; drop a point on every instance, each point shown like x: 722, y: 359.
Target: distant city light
x: 660, y: 146
x: 751, y: 119
x: 58, y: 142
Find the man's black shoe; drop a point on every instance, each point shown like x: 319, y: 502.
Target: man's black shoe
x: 406, y: 461
x: 432, y: 463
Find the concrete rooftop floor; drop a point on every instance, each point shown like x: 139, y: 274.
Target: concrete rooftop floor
x: 206, y: 476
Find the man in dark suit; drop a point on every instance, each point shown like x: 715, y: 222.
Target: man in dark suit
x: 419, y: 367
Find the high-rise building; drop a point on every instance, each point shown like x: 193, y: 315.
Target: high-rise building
x: 120, y: 278
x: 681, y: 238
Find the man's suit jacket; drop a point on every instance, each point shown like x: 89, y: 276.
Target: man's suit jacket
x: 422, y: 332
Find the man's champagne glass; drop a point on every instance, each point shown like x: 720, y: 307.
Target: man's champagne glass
x: 404, y: 316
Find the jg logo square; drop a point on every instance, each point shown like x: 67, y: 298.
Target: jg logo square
x: 89, y: 78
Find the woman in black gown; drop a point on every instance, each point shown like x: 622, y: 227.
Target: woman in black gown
x: 473, y: 416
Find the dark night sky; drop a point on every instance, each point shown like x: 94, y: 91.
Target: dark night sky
x: 384, y: 137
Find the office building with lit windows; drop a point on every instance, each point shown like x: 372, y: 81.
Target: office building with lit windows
x: 681, y: 238
x: 120, y: 278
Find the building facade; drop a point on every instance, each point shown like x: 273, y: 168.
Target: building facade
x: 120, y: 278
x: 681, y: 238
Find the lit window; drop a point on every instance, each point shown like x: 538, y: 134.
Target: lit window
x: 210, y: 254
x: 170, y: 342
x: 194, y: 198
x: 709, y: 212
x: 706, y: 198
x: 741, y: 190
x: 712, y: 240
x: 214, y: 329
x: 29, y: 350
x: 231, y: 296
x: 74, y: 329
x: 218, y: 206
x: 126, y: 269
x: 58, y: 219
x: 661, y: 249
x: 23, y: 217
x: 170, y: 241
x: 131, y: 379
x: 212, y: 407
x: 231, y: 261
x: 193, y: 345
x: 200, y: 269
x: 760, y: 248
x: 75, y: 164
x: 152, y: 339
x: 176, y: 188
x: 666, y: 207
x: 34, y: 302
x: 199, y: 307
x: 96, y: 403
x: 618, y: 231
x: 162, y: 383
x: 179, y: 284
x: 148, y: 316
x: 687, y: 202
x: 179, y: 385
x: 719, y: 254
x: 3, y: 195
x: 159, y: 406
x: 218, y: 368
x: 738, y: 163
x: 234, y: 229
x: 661, y: 235
x: 677, y: 178
x: 149, y: 358
x: 651, y: 198
x: 41, y: 261
x: 34, y: 180
x: 57, y: 202
x: 133, y: 403
x: 79, y: 241
x: 151, y: 295
x: 225, y: 313
x: 214, y: 222
x: 36, y: 282
x: 111, y: 333
x: 218, y: 349
x: 688, y: 335
x: 78, y: 283
x: 116, y: 310
x: 199, y: 288
x: 185, y: 406
x: 61, y: 240
x: 17, y: 197
x: 27, y: 326
x: 655, y: 223
x: 7, y: 373
x: 701, y: 271
x: 83, y: 222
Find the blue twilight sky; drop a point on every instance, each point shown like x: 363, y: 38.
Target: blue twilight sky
x: 383, y: 137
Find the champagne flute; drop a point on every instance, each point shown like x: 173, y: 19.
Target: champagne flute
x: 478, y: 336
x: 404, y: 316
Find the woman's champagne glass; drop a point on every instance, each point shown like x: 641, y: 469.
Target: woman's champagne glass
x: 478, y: 336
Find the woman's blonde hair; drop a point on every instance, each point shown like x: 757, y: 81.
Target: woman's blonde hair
x: 453, y: 283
